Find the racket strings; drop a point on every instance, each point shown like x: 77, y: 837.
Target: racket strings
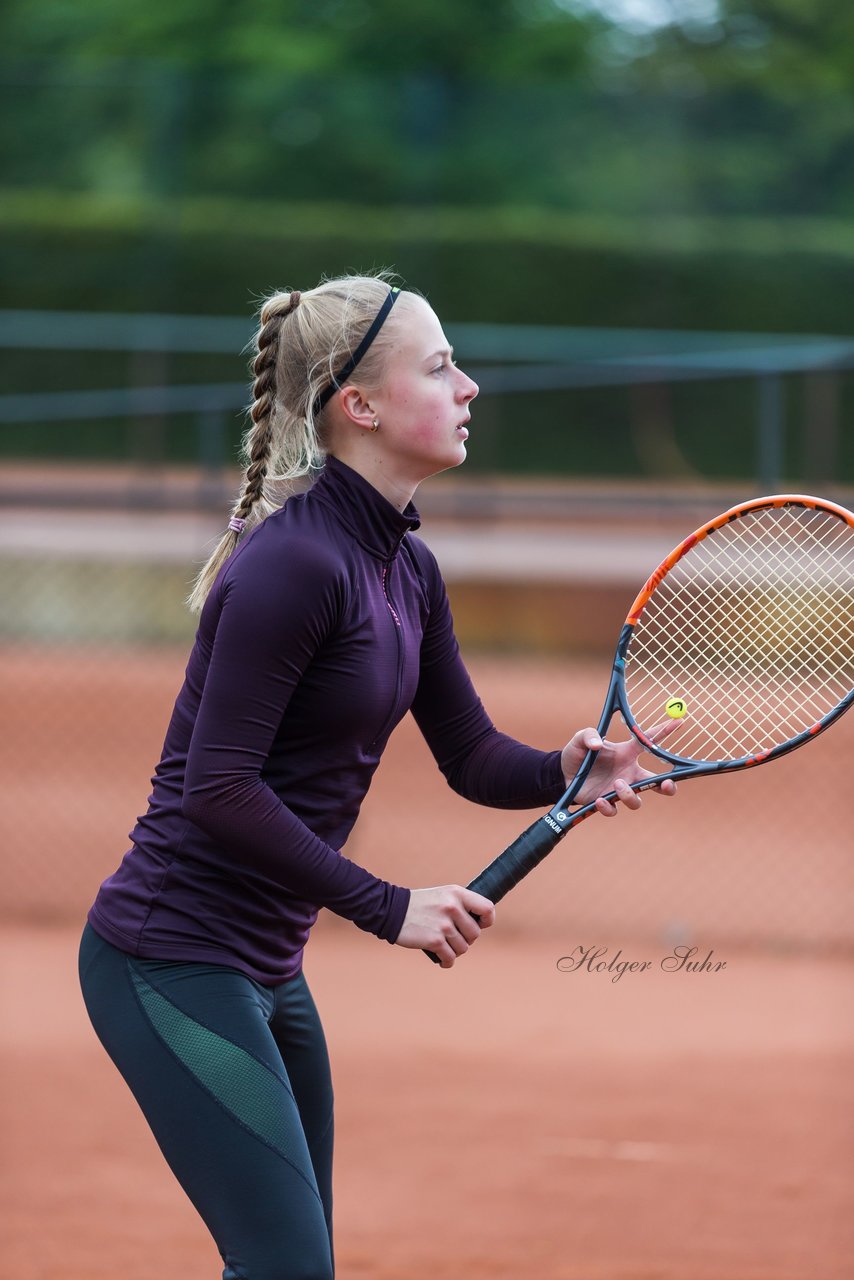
x: 741, y: 652
x: 801, y: 643
x: 791, y: 644
x: 741, y: 715
x: 754, y: 628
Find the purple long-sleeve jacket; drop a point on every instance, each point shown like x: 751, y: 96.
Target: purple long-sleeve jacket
x: 323, y: 628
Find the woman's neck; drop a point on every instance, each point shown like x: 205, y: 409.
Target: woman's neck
x: 374, y: 468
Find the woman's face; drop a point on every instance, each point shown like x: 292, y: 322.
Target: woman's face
x: 423, y: 404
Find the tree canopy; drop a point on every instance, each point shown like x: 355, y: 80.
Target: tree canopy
x: 781, y: 46
x: 726, y: 108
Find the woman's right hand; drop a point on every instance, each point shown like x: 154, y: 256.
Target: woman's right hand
x: 441, y: 920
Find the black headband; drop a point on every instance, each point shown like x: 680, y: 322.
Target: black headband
x: 344, y: 372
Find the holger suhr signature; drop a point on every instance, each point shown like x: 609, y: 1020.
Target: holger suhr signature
x: 681, y: 959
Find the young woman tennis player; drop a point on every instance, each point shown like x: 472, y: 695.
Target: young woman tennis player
x: 323, y: 622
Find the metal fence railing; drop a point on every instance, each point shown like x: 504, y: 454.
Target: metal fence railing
x: 545, y: 364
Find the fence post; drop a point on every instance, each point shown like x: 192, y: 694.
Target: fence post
x: 769, y: 461
x: 821, y: 426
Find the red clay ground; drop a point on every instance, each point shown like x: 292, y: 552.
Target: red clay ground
x: 503, y: 1119
x: 762, y: 857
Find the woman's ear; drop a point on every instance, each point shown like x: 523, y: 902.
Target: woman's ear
x: 355, y: 405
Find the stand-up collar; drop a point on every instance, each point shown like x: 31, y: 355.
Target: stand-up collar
x: 374, y: 521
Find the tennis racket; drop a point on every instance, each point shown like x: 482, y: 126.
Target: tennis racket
x: 745, y: 635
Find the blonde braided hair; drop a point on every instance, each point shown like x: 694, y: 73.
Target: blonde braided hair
x: 301, y: 340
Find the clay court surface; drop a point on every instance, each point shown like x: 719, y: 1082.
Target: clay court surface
x: 505, y: 1118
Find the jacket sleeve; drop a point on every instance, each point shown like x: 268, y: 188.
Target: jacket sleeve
x: 266, y: 617
x: 479, y: 762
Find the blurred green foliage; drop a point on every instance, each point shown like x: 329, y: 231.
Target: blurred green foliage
x: 741, y: 107
x: 480, y: 39
x: 785, y: 49
x: 217, y: 255
x: 518, y: 160
x: 782, y: 47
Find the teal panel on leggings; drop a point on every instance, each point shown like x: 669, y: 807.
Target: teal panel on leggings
x: 252, y: 1093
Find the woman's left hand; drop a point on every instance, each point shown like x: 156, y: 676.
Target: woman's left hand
x: 615, y: 768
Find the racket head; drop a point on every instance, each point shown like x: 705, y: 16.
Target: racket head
x: 750, y: 623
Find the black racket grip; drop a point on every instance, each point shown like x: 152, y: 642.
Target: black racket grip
x: 511, y: 866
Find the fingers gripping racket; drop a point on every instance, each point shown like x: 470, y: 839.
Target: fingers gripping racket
x: 747, y: 631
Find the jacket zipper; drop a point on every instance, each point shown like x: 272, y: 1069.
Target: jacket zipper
x: 398, y: 631
x: 388, y: 601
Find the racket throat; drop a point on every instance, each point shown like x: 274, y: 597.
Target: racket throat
x: 558, y: 820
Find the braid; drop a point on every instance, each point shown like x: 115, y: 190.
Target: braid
x: 259, y: 440
x: 264, y: 367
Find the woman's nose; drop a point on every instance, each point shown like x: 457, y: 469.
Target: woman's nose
x: 471, y: 388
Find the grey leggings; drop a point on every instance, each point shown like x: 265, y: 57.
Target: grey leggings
x: 233, y: 1078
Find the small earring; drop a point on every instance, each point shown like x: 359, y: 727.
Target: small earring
x: 376, y: 425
